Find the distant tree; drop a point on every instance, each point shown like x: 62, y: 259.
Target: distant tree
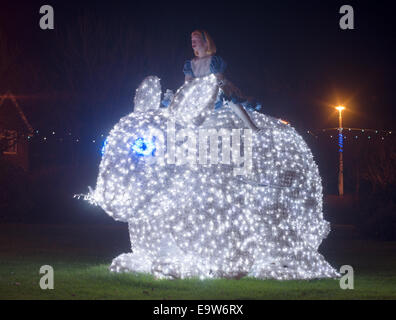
x: 375, y: 162
x: 379, y: 166
x: 94, y: 61
x: 19, y: 73
x: 8, y: 58
x: 376, y: 165
x: 99, y: 61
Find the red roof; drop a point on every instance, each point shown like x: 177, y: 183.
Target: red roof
x: 12, y: 116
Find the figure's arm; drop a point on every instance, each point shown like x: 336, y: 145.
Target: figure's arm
x: 219, y: 76
x: 223, y: 83
x: 227, y: 86
x: 221, y: 80
x: 188, y: 73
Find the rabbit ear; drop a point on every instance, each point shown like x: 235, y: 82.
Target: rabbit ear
x: 194, y: 100
x: 148, y: 95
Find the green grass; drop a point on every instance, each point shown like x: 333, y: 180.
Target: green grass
x: 80, y: 256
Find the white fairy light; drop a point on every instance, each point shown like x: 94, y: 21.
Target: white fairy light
x: 203, y: 221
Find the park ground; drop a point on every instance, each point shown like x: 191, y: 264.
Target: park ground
x: 81, y: 255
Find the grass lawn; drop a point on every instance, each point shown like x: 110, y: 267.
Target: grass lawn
x: 80, y: 256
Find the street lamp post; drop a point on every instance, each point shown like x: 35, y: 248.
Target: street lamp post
x: 340, y: 151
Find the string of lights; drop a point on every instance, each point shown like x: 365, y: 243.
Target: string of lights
x: 200, y: 220
x: 46, y: 136
x: 40, y: 136
x: 351, y: 133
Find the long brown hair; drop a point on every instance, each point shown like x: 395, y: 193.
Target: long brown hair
x: 208, y: 39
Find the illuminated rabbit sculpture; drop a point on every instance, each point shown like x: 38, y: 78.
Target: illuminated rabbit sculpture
x: 189, y: 218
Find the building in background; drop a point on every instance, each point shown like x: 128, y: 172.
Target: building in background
x: 15, y: 131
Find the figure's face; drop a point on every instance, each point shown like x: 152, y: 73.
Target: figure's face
x: 198, y: 44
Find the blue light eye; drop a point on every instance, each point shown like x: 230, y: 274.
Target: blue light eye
x: 144, y: 147
x: 103, y: 150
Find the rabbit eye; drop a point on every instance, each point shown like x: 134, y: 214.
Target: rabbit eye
x: 103, y: 150
x: 144, y: 147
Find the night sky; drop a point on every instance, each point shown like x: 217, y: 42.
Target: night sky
x: 290, y: 55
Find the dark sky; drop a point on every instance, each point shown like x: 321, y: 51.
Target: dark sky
x: 291, y: 55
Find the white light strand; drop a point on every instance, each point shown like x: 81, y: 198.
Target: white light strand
x: 202, y: 221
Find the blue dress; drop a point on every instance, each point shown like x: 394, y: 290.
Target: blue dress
x: 218, y: 65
